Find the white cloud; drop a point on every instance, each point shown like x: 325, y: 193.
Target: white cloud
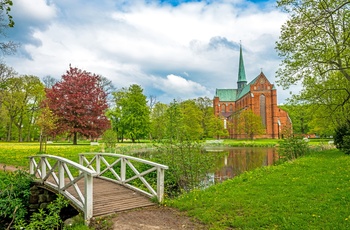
x: 38, y: 10
x: 178, y: 87
x: 152, y: 44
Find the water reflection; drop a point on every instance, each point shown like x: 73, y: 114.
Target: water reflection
x: 235, y: 160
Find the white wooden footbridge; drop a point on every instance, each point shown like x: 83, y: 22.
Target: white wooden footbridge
x: 101, y: 183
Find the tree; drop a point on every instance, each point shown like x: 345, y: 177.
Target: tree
x: 131, y: 115
x: 300, y: 116
x: 79, y: 102
x: 215, y: 127
x: 158, y: 121
x: 205, y: 105
x: 314, y: 45
x: 49, y: 81
x: 21, y: 98
x: 250, y: 124
x: 191, y: 121
x: 47, y: 123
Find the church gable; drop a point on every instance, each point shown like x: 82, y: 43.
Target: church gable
x: 261, y: 83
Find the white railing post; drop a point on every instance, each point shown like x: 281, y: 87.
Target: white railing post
x: 31, y: 166
x: 88, y: 206
x: 60, y: 175
x: 98, y: 163
x: 122, y: 169
x: 43, y: 167
x: 160, y: 184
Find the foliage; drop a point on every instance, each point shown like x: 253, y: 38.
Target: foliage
x: 79, y: 103
x: 48, y: 218
x: 158, y: 121
x: 6, y: 21
x: 188, y: 165
x: 342, y: 137
x: 292, y: 148
x: 5, y: 6
x: 301, y: 117
x: 130, y: 117
x: 250, y: 124
x: 314, y: 46
x: 110, y: 138
x: 21, y: 97
x: 308, y: 193
x: 14, y: 196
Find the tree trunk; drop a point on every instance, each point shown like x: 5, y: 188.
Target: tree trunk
x: 75, y: 138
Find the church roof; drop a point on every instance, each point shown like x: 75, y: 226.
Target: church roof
x: 246, y: 88
x: 226, y: 94
x: 236, y: 94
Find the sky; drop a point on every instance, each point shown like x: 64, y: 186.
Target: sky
x: 173, y: 49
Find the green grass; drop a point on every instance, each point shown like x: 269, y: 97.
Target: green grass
x: 312, y: 192
x: 17, y: 154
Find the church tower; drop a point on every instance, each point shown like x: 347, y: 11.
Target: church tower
x: 242, y: 81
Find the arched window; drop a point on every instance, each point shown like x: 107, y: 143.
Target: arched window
x: 231, y: 108
x: 223, y: 108
x: 263, y: 109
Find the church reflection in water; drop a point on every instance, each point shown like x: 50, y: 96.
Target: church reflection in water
x: 234, y: 161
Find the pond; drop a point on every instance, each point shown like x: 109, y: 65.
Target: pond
x: 236, y: 160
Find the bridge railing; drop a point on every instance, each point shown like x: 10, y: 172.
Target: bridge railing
x: 56, y: 173
x: 105, y: 165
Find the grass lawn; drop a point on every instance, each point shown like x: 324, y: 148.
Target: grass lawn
x: 17, y: 154
x: 312, y: 192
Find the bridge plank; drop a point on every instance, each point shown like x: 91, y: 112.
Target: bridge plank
x: 109, y: 197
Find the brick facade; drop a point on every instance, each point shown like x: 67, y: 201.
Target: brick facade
x: 261, y: 97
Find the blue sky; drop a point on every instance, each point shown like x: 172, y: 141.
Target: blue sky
x: 174, y: 49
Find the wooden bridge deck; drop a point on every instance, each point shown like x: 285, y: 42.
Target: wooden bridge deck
x: 110, y: 197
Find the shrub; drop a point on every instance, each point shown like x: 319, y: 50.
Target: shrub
x: 342, y: 138
x: 14, y: 196
x: 110, y: 138
x: 46, y: 218
x: 188, y: 166
x: 292, y: 148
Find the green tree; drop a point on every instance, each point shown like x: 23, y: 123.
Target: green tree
x: 191, y: 120
x: 250, y: 124
x: 205, y: 105
x: 300, y: 116
x: 21, y: 98
x: 314, y: 45
x: 131, y: 115
x: 158, y: 121
x: 216, y: 128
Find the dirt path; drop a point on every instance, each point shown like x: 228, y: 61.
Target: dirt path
x: 8, y: 167
x: 154, y: 218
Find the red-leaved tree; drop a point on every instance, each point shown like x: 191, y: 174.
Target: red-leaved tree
x: 79, y: 103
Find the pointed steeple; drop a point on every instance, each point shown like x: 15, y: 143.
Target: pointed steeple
x: 242, y: 81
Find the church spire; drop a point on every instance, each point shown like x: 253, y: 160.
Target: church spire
x: 242, y: 81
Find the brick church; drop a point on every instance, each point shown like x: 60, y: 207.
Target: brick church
x: 260, y: 96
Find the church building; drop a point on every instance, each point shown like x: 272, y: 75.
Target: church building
x: 259, y: 96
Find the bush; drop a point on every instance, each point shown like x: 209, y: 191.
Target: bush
x: 46, y: 219
x: 110, y: 138
x: 292, y: 148
x: 342, y: 138
x: 14, y: 196
x: 188, y: 166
